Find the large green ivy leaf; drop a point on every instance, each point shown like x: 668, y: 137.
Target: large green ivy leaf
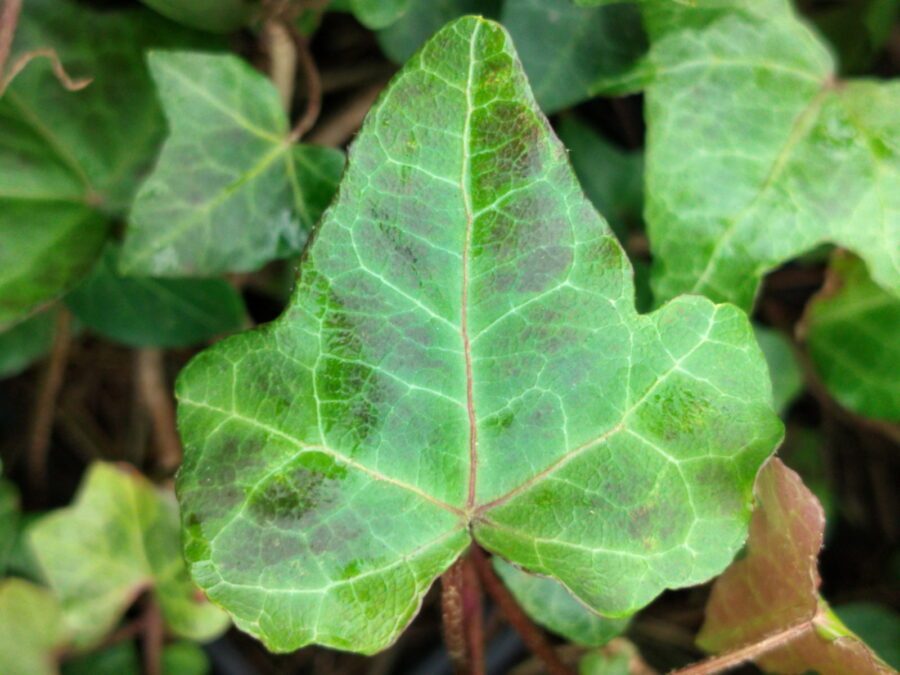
x: 31, y: 629
x: 756, y: 154
x: 144, y: 311
x: 220, y: 16
x: 552, y: 606
x: 118, y: 539
x: 24, y: 343
x: 69, y: 160
x: 462, y: 358
x: 251, y: 193
x: 851, y: 330
x: 564, y: 48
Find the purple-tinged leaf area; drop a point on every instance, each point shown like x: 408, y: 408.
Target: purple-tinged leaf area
x: 462, y: 359
x: 774, y: 589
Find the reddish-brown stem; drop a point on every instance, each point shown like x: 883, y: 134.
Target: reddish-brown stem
x: 531, y: 635
x: 154, y: 392
x: 461, y: 613
x: 154, y: 636
x: 9, y: 18
x: 313, y: 86
x: 45, y: 404
x: 719, y: 664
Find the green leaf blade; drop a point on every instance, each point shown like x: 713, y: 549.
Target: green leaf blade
x: 463, y: 320
x: 245, y: 203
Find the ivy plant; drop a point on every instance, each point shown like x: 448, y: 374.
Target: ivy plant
x: 462, y: 362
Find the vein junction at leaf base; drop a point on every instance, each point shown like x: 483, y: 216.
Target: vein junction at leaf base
x: 462, y: 359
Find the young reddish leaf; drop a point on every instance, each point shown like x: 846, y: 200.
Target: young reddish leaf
x: 767, y: 606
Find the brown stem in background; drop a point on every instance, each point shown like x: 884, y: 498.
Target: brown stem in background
x: 9, y: 19
x: 313, y: 86
x: 154, y: 634
x: 339, y: 128
x: 719, y: 664
x: 282, y: 60
x: 531, y: 635
x: 462, y: 617
x: 154, y: 392
x: 44, y: 412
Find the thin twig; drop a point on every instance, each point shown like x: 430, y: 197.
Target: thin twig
x: 58, y: 70
x: 154, y: 392
x: 719, y: 664
x: 313, y: 86
x: 154, y: 635
x: 45, y: 404
x: 282, y: 53
x: 9, y: 19
x: 531, y: 635
x: 338, y: 129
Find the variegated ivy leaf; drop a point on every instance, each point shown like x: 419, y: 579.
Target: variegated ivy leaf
x: 69, y: 161
x: 119, y: 539
x: 756, y: 153
x: 231, y: 190
x: 462, y: 359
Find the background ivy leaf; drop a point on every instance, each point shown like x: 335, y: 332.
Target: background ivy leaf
x: 70, y: 160
x: 564, y: 48
x: 796, y: 157
x: 118, y: 539
x: 552, y: 606
x: 462, y: 357
x: 851, y: 330
x: 619, y: 657
x: 32, y: 629
x: 150, y: 312
x: 178, y: 658
x: 253, y: 194
x: 26, y: 342
x: 612, y: 179
x: 787, y: 380
x: 775, y: 588
x: 376, y: 14
x: 9, y: 520
x: 877, y: 625
x: 219, y: 16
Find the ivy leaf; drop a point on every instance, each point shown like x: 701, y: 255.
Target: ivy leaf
x: 33, y: 629
x: 70, y: 160
x: 877, y: 624
x: 253, y: 194
x: 619, y: 657
x: 787, y: 380
x: 462, y: 359
x: 149, y: 312
x: 851, y: 330
x: 218, y: 16
x: 118, y: 539
x: 772, y: 593
x: 612, y: 179
x: 564, y: 48
x: 9, y: 521
x: 376, y: 14
x: 551, y: 605
x: 179, y: 658
x: 424, y: 18
x: 26, y: 342
x: 756, y: 154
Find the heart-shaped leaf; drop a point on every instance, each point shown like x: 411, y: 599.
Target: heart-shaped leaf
x: 462, y: 359
x: 757, y: 154
x: 119, y: 539
x: 253, y: 194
